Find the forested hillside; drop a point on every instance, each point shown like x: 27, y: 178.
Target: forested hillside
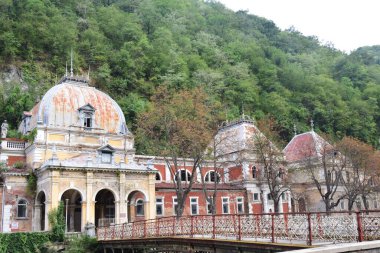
x: 244, y: 62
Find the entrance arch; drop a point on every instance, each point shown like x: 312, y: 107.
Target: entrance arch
x: 137, y: 208
x: 104, y: 208
x: 72, y: 200
x: 40, y: 211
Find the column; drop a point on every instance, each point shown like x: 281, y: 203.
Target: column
x: 122, y: 200
x: 151, y: 201
x: 117, y: 212
x: 84, y: 215
x: 36, y: 226
x: 90, y: 204
x: 265, y: 202
x: 280, y: 207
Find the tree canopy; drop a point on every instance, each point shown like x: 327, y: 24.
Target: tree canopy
x: 243, y: 62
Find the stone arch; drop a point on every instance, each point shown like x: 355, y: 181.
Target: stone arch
x: 105, y: 208
x: 40, y: 211
x: 136, y: 211
x: 115, y: 195
x: 72, y: 201
x: 83, y: 196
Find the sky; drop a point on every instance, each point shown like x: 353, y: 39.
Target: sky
x: 347, y: 24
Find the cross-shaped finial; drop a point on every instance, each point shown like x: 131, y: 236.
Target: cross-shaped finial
x: 295, y: 129
x: 71, y: 64
x: 312, y: 124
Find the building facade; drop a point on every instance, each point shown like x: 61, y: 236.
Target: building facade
x: 79, y: 151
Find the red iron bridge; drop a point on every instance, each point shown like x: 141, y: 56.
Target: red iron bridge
x: 297, y: 229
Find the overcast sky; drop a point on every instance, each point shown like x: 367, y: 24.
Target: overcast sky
x: 348, y: 24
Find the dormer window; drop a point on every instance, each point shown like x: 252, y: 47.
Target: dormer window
x: 106, y: 157
x: 106, y: 154
x: 86, y: 115
x: 87, y: 120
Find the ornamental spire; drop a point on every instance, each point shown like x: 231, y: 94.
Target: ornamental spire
x: 312, y: 125
x: 295, y: 129
x: 71, y: 64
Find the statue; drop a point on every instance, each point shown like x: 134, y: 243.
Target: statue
x: 4, y: 129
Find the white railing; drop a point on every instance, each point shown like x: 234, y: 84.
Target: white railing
x: 14, y: 145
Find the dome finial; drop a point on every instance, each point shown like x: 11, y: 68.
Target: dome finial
x: 295, y: 129
x: 71, y: 63
x: 88, y: 74
x: 66, y: 70
x: 312, y: 125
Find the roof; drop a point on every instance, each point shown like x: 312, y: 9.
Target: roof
x: 59, y: 107
x: 305, y: 145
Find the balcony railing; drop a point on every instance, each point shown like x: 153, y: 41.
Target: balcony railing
x: 12, y: 145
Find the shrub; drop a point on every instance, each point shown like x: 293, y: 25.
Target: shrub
x: 22, y: 242
x: 31, y: 186
x: 84, y: 244
x: 18, y: 165
x: 57, y: 222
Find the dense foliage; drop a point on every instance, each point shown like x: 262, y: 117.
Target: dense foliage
x: 57, y: 223
x: 241, y: 60
x: 83, y: 244
x: 22, y: 242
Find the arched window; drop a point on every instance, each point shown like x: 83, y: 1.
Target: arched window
x: 212, y: 176
x: 183, y: 174
x: 158, y: 176
x: 139, y: 207
x: 21, y: 208
x: 254, y: 172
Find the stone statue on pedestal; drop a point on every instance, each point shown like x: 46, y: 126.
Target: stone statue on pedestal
x: 4, y: 129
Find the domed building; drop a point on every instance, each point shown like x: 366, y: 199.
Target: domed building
x: 78, y: 150
x: 82, y: 154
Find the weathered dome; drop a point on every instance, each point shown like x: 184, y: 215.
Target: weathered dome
x: 63, y: 104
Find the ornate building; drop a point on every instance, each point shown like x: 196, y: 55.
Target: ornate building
x: 82, y: 153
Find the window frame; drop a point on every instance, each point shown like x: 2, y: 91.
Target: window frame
x: 209, y: 179
x: 139, y: 204
x: 159, y: 175
x: 258, y: 196
x: 196, y: 203
x: 226, y: 201
x: 24, y: 206
x: 239, y: 202
x: 174, y: 204
x: 187, y: 175
x: 162, y: 204
x: 254, y: 172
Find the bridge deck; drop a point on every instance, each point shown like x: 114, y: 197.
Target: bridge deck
x: 293, y: 228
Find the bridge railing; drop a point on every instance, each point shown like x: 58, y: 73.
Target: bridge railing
x: 298, y: 228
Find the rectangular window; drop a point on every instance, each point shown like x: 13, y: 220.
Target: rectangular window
x: 87, y: 120
x: 225, y: 205
x: 256, y: 196
x: 269, y: 196
x: 208, y: 207
x: 175, y: 204
x: 159, y: 206
x: 283, y: 196
x: 194, y: 205
x: 342, y: 205
x: 240, y: 205
x: 106, y: 157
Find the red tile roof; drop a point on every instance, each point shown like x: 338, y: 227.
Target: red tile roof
x: 305, y: 145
